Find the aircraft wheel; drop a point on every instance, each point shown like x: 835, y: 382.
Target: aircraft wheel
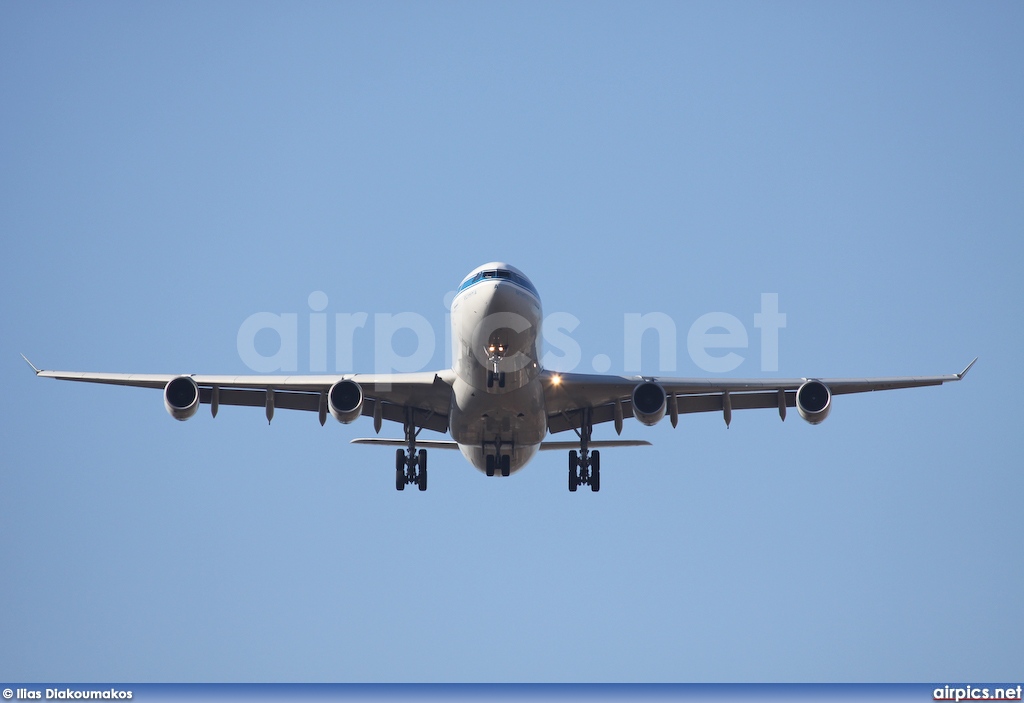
x: 490, y: 465
x: 506, y: 465
x: 400, y: 470
x: 595, y: 471
x: 574, y: 480
x: 422, y: 482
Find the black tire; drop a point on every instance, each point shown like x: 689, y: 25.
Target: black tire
x: 490, y: 465
x: 501, y: 380
x: 506, y: 465
x: 574, y: 463
x: 595, y: 471
x: 400, y: 469
x: 422, y: 482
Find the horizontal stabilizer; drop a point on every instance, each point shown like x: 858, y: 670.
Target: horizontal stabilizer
x: 449, y: 444
x: 421, y: 443
x: 595, y: 444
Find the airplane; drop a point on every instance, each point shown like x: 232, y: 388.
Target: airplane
x: 497, y: 403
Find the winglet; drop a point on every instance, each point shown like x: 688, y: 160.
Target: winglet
x: 958, y: 376
x: 30, y: 364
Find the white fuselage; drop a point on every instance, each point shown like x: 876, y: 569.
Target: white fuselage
x: 497, y: 397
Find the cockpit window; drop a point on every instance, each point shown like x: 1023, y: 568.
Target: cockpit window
x: 502, y: 274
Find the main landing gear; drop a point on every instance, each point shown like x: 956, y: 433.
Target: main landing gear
x: 411, y: 465
x: 497, y: 461
x: 585, y: 466
x: 584, y: 471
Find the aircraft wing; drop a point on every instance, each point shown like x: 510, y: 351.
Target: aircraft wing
x: 568, y: 396
x: 385, y: 396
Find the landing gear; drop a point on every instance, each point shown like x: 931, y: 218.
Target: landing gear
x: 498, y: 461
x: 585, y: 471
x: 411, y: 468
x: 595, y: 471
x: 422, y: 458
x: 495, y: 353
x: 410, y: 465
x: 585, y: 467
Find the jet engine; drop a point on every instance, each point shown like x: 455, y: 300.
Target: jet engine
x: 813, y: 401
x: 649, y: 403
x: 345, y: 401
x: 181, y: 397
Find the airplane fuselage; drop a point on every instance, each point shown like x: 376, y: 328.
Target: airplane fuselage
x: 497, y: 396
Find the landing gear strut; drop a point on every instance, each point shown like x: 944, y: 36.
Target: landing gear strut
x: 585, y: 466
x: 495, y: 353
x: 410, y: 465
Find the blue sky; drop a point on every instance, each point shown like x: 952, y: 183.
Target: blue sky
x: 170, y: 171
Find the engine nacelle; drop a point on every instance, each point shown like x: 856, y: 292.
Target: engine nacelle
x: 181, y: 397
x: 813, y: 401
x: 649, y: 403
x: 345, y: 401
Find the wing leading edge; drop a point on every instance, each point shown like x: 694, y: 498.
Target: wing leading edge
x: 569, y: 396
x: 385, y: 396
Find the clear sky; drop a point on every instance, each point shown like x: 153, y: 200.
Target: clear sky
x: 170, y: 170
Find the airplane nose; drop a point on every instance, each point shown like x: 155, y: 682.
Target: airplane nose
x: 503, y: 298
x: 502, y: 324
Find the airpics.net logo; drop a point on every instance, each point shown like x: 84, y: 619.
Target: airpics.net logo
x: 977, y: 693
x: 716, y: 342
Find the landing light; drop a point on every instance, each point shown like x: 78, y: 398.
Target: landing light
x: 555, y: 380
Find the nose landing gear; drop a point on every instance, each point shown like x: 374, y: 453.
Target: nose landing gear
x: 495, y: 353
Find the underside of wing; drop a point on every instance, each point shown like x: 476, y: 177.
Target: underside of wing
x: 423, y: 398
x: 576, y: 400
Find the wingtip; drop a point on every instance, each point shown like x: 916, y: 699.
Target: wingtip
x: 31, y: 364
x: 966, y: 369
